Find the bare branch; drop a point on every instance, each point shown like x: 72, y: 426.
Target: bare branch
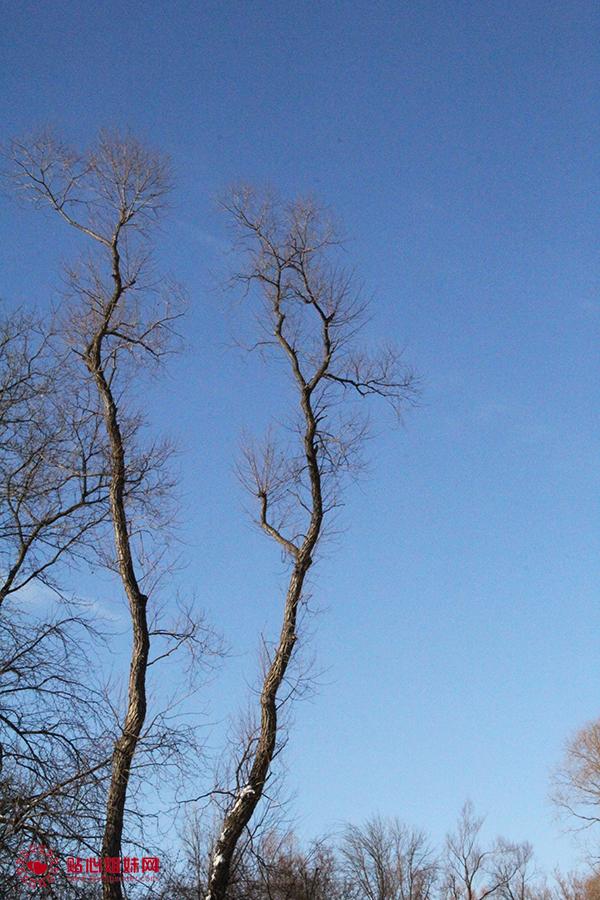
x: 313, y: 314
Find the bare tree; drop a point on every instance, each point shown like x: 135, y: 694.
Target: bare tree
x: 56, y: 746
x: 119, y: 315
x: 271, y: 866
x: 53, y: 499
x: 58, y: 722
x: 380, y: 860
x: 310, y: 315
x: 576, y: 789
x: 385, y: 860
x: 472, y: 872
x: 282, y: 870
x: 466, y: 876
x: 514, y: 871
x: 574, y: 886
x: 53, y: 483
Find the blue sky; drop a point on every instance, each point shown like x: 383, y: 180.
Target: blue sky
x: 457, y: 143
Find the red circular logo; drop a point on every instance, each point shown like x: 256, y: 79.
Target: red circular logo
x: 37, y: 866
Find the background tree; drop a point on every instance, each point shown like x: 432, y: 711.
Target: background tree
x: 385, y: 860
x: 514, y: 872
x: 56, y: 744
x: 281, y: 869
x: 53, y: 479
x: 473, y: 872
x: 380, y: 859
x: 575, y: 886
x: 311, y: 315
x: 576, y: 789
x: 53, y: 500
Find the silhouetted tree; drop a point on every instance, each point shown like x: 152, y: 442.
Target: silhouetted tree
x: 311, y: 315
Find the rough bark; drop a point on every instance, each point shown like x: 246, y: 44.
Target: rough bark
x: 239, y: 815
x: 249, y: 796
x: 126, y: 744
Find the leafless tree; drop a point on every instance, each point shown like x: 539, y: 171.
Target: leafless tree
x: 514, y: 871
x: 53, y: 483
x: 56, y: 747
x: 118, y: 315
x: 582, y: 885
x: 385, y: 860
x: 53, y: 499
x: 271, y: 866
x: 381, y: 860
x: 310, y: 313
x: 472, y: 872
x: 281, y: 870
x: 576, y: 789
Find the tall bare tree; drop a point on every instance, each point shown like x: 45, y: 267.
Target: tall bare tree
x: 117, y: 318
x: 310, y: 314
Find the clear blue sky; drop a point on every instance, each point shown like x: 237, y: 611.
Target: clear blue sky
x: 458, y: 144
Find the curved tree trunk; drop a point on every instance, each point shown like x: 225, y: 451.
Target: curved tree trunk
x: 248, y: 797
x: 126, y: 744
